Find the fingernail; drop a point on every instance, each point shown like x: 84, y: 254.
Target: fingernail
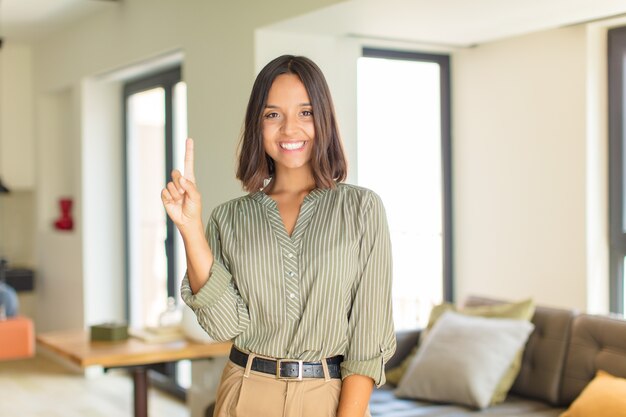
x: 181, y: 191
x: 182, y: 180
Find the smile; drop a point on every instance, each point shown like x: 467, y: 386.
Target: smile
x: 292, y: 146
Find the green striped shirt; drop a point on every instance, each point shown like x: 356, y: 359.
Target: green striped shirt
x: 323, y: 291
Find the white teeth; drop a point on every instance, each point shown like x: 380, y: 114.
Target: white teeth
x: 291, y: 145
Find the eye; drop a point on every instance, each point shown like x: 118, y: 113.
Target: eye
x: 271, y: 115
x: 307, y: 113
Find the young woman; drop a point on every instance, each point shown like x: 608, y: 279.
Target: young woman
x: 297, y: 272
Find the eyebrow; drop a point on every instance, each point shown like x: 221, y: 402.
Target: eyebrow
x: 271, y: 106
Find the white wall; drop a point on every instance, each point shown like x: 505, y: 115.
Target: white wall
x: 102, y: 185
x: 59, y: 261
x: 16, y: 117
x: 597, y: 155
x: 519, y: 110
x: 17, y: 170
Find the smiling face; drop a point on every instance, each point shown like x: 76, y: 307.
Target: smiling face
x: 288, y: 128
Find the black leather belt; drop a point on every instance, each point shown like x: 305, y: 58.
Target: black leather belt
x: 289, y: 369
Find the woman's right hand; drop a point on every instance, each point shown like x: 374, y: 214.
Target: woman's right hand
x: 181, y: 198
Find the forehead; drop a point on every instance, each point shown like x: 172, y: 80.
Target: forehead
x: 287, y: 88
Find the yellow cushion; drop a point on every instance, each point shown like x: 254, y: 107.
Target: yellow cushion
x: 605, y: 395
x: 522, y: 310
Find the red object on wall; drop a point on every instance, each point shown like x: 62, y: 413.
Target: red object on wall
x: 65, y: 221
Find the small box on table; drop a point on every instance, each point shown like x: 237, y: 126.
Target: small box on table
x: 109, y: 332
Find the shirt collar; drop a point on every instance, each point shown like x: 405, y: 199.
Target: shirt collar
x: 266, y: 200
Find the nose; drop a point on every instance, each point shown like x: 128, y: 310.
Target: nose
x: 290, y: 124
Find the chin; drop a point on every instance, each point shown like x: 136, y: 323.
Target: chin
x: 295, y: 165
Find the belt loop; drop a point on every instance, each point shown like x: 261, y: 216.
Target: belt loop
x: 251, y: 357
x: 325, y: 368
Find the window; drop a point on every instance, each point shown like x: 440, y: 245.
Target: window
x: 403, y: 153
x: 617, y: 168
x: 156, y: 127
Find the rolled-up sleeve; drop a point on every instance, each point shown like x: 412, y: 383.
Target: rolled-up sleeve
x: 371, y: 337
x: 220, y: 310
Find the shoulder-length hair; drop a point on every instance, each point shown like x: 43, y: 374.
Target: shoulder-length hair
x: 327, y: 156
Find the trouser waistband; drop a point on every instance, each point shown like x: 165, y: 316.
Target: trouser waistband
x: 288, y: 369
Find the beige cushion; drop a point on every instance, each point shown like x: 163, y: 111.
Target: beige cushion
x: 463, y: 359
x: 522, y: 310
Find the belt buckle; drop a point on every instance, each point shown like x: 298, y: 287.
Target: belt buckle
x: 279, y: 362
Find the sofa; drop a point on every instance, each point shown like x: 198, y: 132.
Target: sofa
x: 561, y: 356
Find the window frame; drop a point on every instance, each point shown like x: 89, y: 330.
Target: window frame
x: 165, y: 375
x: 616, y: 52
x: 167, y: 80
x: 443, y: 61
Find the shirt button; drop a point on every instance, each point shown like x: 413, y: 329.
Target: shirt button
x: 291, y: 274
x: 292, y: 295
x: 290, y: 255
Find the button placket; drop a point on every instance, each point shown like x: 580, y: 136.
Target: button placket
x: 291, y: 258
x: 289, y: 246
x: 292, y: 284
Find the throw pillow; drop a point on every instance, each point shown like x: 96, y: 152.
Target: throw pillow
x: 605, y: 395
x: 522, y: 310
x: 463, y: 359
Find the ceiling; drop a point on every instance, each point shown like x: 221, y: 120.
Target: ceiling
x: 450, y: 22
x: 30, y: 19
x: 440, y: 22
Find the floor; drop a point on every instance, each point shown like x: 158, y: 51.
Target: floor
x: 40, y: 387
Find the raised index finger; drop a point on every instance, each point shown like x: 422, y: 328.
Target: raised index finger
x: 188, y: 171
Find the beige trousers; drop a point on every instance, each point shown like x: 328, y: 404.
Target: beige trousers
x: 246, y: 393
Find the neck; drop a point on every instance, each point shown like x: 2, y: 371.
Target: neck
x: 291, y: 181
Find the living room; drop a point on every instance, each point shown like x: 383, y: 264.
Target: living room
x: 529, y: 150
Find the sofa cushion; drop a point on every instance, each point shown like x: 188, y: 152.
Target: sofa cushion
x: 605, y: 395
x: 385, y: 404
x: 598, y: 343
x: 463, y: 359
x: 544, y: 355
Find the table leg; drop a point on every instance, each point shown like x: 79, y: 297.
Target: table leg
x: 140, y: 381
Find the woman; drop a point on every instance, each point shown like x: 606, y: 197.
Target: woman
x: 298, y: 272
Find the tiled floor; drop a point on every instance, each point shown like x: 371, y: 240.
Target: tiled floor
x: 39, y: 387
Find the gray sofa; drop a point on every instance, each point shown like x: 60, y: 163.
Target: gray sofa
x: 561, y: 356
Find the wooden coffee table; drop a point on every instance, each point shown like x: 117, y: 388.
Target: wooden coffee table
x: 132, y: 354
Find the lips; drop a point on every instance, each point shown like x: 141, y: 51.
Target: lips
x: 292, y: 146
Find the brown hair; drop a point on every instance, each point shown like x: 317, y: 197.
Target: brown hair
x: 327, y: 157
